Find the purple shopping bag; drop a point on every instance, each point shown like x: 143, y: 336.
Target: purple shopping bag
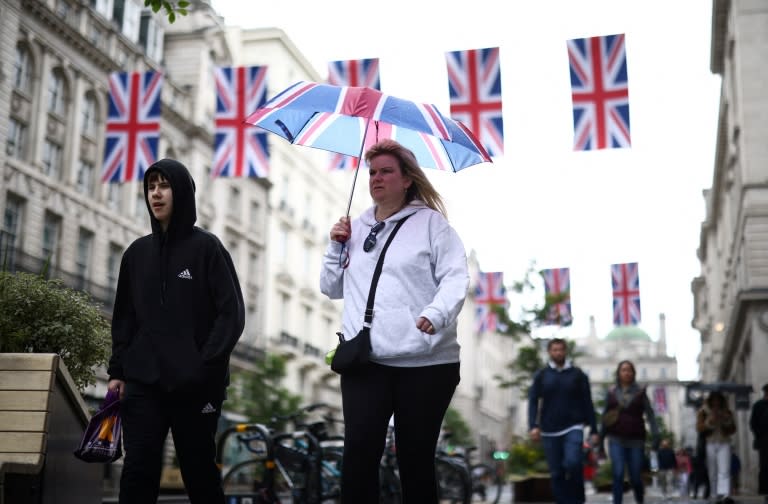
x: 102, y: 440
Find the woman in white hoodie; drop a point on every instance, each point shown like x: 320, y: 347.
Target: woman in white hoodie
x: 414, y: 365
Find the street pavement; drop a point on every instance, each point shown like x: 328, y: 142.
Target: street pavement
x: 653, y: 496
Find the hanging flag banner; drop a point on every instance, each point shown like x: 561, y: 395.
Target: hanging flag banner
x: 489, y: 293
x: 474, y: 85
x: 240, y: 149
x: 600, y: 92
x: 361, y: 72
x: 660, y: 400
x: 133, y: 125
x: 626, y: 294
x: 557, y: 292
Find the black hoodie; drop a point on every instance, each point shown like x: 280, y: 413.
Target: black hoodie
x: 178, y: 308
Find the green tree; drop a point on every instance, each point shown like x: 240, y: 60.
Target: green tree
x: 259, y: 394
x: 460, y: 431
x: 44, y: 316
x: 529, y: 358
x: 171, y: 7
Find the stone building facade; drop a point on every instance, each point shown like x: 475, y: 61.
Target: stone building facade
x: 731, y: 293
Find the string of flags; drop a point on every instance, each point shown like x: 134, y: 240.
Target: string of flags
x: 599, y: 92
x: 491, y: 293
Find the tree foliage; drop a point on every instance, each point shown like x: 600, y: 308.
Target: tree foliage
x: 171, y: 7
x: 461, y: 434
x: 259, y: 394
x: 44, y: 316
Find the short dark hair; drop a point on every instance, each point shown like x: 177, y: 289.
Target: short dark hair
x: 557, y: 341
x: 765, y: 387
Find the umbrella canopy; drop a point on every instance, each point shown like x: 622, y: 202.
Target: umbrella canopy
x: 349, y: 119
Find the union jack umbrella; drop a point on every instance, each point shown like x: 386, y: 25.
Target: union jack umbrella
x: 346, y: 119
x: 626, y: 294
x: 360, y: 72
x: 133, y: 125
x: 600, y: 92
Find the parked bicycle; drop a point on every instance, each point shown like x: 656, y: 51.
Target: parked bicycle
x: 299, y: 466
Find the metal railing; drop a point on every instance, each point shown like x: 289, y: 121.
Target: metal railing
x: 15, y: 260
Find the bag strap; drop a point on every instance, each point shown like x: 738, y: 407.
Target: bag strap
x: 368, y: 319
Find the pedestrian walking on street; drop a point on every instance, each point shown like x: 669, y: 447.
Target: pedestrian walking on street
x: 624, y: 417
x: 178, y: 314
x: 667, y: 467
x: 758, y: 422
x: 716, y: 422
x: 684, y: 468
x: 559, y: 406
x: 414, y: 368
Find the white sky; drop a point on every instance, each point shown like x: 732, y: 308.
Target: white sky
x: 541, y: 201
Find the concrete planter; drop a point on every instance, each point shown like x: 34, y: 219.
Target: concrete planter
x: 42, y: 418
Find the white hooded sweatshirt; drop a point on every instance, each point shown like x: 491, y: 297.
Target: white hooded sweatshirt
x: 424, y: 275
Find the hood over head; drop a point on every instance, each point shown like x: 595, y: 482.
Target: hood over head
x: 184, y: 213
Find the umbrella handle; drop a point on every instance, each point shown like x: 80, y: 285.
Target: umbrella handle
x: 357, y: 168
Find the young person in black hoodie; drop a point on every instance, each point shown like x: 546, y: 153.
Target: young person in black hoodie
x: 178, y: 314
x: 566, y: 407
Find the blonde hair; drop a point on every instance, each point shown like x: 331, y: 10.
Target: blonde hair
x: 421, y: 188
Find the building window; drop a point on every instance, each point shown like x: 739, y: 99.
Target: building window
x: 63, y: 9
x: 255, y: 213
x: 285, y: 305
x: 140, y: 211
x: 113, y: 196
x: 308, y: 323
x: 51, y: 238
x: 151, y: 36
x: 10, y: 239
x: 15, y: 144
x: 52, y: 159
x: 85, y: 177
x: 663, y: 372
x: 83, y: 259
x: 89, y: 114
x: 253, y: 266
x: 234, y: 203
x: 643, y: 373
x: 113, y: 268
x: 57, y: 93
x: 21, y: 69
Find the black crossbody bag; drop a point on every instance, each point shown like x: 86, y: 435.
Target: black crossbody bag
x: 354, y: 354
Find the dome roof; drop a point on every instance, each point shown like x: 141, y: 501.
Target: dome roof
x: 627, y: 333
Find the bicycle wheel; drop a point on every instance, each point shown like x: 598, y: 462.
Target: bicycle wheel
x: 486, y: 483
x: 453, y: 482
x: 330, y: 476
x: 291, y: 473
x: 249, y: 479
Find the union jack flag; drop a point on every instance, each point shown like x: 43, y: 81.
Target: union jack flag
x: 240, y: 149
x: 133, y: 125
x: 557, y: 291
x: 362, y: 72
x: 626, y: 294
x: 474, y: 84
x: 489, y: 293
x: 600, y: 92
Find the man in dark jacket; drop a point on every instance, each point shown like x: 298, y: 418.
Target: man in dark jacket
x: 178, y: 314
x: 566, y: 407
x: 758, y: 422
